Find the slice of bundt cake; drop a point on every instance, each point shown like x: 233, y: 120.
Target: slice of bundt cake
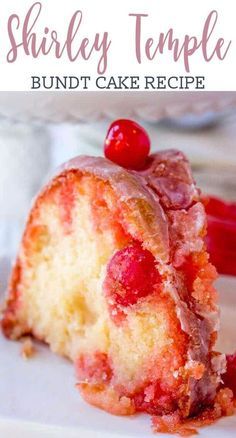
x: 113, y: 273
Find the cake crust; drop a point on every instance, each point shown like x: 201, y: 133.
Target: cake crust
x: 160, y: 208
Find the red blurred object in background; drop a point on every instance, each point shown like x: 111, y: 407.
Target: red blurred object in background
x: 221, y: 236
x: 229, y: 378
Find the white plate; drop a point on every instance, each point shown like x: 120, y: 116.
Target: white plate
x: 38, y: 398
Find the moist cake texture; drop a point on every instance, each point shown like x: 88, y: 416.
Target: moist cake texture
x: 113, y: 273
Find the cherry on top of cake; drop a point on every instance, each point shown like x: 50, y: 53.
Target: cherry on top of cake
x: 167, y: 173
x: 127, y: 144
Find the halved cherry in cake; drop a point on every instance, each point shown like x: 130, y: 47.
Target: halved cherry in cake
x: 131, y: 274
x: 127, y: 144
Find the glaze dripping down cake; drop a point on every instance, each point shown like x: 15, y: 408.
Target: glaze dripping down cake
x: 113, y: 273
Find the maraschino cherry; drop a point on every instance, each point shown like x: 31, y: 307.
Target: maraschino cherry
x: 127, y: 144
x: 131, y: 275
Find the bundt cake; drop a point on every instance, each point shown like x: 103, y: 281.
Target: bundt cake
x: 113, y: 273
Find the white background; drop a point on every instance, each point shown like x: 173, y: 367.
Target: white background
x: 186, y: 17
